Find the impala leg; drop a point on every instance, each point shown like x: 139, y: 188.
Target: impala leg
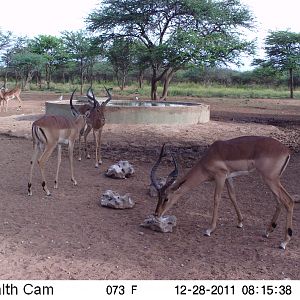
x: 232, y: 196
x: 220, y: 181
x: 32, y: 163
x: 79, y: 143
x: 71, y: 150
x: 20, y: 102
x: 273, y: 223
x: 98, y: 134
x: 289, y: 206
x: 58, y: 165
x: 86, y: 133
x: 286, y: 200
x: 42, y: 160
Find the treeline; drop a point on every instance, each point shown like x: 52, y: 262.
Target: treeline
x: 71, y: 59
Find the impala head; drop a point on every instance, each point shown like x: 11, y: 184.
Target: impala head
x: 165, y: 193
x: 92, y: 99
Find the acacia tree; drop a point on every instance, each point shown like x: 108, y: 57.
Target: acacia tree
x: 52, y: 50
x: 6, y: 39
x: 19, y: 58
x: 283, y: 54
x: 175, y: 33
x: 121, y: 56
x: 26, y: 64
x: 82, y: 48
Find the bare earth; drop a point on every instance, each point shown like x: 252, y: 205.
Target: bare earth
x: 69, y: 236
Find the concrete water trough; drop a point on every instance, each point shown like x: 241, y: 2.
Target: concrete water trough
x: 140, y: 112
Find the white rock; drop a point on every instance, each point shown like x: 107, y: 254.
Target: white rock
x: 162, y: 224
x: 114, y: 200
x: 121, y: 170
x: 115, y: 171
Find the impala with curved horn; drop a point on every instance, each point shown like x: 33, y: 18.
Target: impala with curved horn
x: 49, y: 132
x: 95, y: 121
x: 225, y: 160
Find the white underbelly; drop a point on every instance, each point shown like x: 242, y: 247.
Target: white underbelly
x: 238, y: 173
x: 63, y: 141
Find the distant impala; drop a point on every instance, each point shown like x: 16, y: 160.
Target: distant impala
x: 6, y: 96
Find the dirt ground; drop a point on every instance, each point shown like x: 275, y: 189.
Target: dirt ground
x: 69, y: 236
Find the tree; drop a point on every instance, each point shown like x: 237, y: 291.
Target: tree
x: 52, y: 50
x: 82, y: 48
x: 283, y: 54
x: 175, y: 33
x: 5, y: 39
x: 18, y: 45
x: 5, y: 43
x: 26, y: 65
x: 120, y: 55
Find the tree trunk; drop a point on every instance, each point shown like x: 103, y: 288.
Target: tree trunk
x: 48, y: 76
x: 154, y: 82
x: 154, y: 89
x: 5, y: 78
x: 81, y: 77
x: 27, y: 80
x: 291, y: 83
x: 123, y: 82
x: 167, y: 81
x: 91, y: 75
x: 141, y: 78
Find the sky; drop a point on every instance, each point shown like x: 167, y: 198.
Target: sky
x: 34, y: 17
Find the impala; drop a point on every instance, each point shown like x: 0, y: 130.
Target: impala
x: 223, y: 161
x: 49, y: 132
x: 5, y: 96
x: 95, y: 121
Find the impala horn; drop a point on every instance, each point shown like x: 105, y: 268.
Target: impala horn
x: 74, y: 111
x: 171, y: 177
x: 109, y: 97
x: 92, y: 98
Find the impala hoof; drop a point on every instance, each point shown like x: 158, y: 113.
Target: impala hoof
x: 282, y: 246
x: 240, y: 225
x: 207, y: 232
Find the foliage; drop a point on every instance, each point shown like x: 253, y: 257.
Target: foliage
x: 5, y: 39
x: 283, y: 49
x: 174, y: 33
x: 121, y: 56
x: 26, y: 64
x: 51, y: 48
x: 283, y: 53
x: 83, y: 49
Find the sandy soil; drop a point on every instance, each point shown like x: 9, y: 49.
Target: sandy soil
x: 69, y: 236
